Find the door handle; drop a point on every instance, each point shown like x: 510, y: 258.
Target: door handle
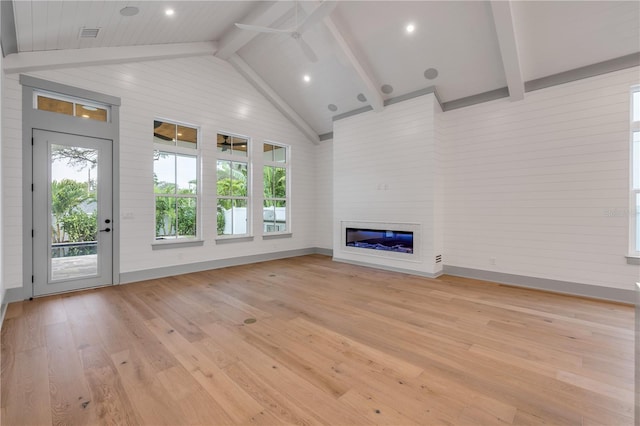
x: 106, y: 230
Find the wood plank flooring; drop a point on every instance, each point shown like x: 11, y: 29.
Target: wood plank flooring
x: 331, y: 344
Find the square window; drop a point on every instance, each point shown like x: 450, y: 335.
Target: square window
x: 274, y: 153
x: 232, y: 145
x: 55, y: 105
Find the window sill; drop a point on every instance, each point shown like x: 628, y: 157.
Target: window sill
x: 169, y: 244
x: 277, y: 236
x: 232, y: 239
x: 633, y: 260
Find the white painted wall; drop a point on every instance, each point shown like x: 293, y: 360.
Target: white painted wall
x: 384, y: 170
x: 2, y: 286
x: 205, y: 91
x: 530, y: 183
x: 323, y: 222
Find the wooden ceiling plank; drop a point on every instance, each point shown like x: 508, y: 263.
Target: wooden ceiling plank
x: 503, y: 21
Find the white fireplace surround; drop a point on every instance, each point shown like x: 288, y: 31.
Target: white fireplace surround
x: 383, y: 226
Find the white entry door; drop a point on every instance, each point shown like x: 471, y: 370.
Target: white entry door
x: 72, y: 212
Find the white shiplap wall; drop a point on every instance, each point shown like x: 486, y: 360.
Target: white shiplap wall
x: 205, y: 91
x: 393, y: 149
x: 2, y: 285
x: 531, y: 183
x: 324, y: 194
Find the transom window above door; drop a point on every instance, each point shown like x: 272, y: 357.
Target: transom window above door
x: 80, y: 108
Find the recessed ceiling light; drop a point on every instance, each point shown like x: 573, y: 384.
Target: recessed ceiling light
x: 169, y: 12
x: 332, y: 107
x: 386, y: 89
x: 306, y: 78
x: 410, y: 28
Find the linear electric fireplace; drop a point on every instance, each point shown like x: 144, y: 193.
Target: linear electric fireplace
x: 381, y: 240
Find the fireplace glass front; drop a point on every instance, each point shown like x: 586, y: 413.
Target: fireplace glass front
x: 376, y: 239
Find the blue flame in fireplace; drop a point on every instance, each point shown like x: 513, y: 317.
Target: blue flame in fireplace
x: 385, y: 240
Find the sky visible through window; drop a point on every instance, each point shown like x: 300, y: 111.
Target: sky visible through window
x: 164, y: 168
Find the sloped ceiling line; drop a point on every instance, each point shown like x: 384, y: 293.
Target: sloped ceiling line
x: 252, y: 77
x: 8, y: 33
x: 616, y: 64
x: 54, y: 59
x: 503, y: 21
x: 264, y: 15
x: 390, y: 101
x: 361, y: 71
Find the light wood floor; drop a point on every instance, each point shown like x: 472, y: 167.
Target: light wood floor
x: 332, y: 344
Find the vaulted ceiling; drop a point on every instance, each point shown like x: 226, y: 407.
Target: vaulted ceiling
x: 464, y: 51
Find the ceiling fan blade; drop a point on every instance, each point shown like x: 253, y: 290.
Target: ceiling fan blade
x: 318, y: 14
x: 306, y: 49
x: 262, y: 29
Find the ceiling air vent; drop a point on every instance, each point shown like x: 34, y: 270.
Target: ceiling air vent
x: 89, y: 32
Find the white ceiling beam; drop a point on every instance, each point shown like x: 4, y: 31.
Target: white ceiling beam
x: 264, y: 15
x: 503, y: 21
x: 247, y: 72
x: 362, y: 72
x: 53, y: 59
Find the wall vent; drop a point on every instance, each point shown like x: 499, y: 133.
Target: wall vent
x: 439, y: 258
x: 89, y: 32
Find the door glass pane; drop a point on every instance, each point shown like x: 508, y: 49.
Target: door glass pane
x: 74, y: 212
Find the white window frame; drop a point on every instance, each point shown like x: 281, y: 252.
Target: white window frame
x: 236, y: 159
x: 73, y: 100
x: 179, y: 150
x: 634, y: 250
x: 287, y: 166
